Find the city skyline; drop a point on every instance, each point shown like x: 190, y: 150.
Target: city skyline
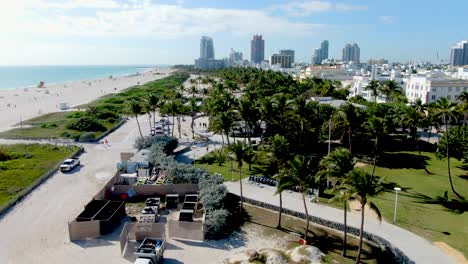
x: 43, y: 32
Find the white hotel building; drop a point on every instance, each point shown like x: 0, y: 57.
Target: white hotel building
x: 429, y: 89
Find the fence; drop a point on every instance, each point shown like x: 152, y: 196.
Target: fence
x: 186, y: 230
x: 10, y: 203
x: 397, y: 254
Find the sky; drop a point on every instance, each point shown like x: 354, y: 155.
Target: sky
x: 151, y: 32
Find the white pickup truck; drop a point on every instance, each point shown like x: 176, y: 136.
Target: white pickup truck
x: 69, y: 164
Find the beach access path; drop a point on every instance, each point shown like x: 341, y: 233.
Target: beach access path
x: 415, y: 247
x: 25, y: 103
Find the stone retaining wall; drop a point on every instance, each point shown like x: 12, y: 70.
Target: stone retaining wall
x: 397, y: 254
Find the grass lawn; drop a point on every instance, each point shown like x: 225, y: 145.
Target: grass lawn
x: 27, y: 163
x: 420, y: 203
x: 225, y: 170
x: 52, y: 125
x: 328, y: 241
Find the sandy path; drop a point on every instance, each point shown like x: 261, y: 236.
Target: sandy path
x: 22, y: 104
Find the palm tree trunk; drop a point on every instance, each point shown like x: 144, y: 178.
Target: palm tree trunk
x: 245, y: 135
x: 465, y: 118
x: 173, y: 124
x: 222, y: 138
x: 448, y: 162
x: 227, y: 138
x: 306, y: 215
x: 448, y: 157
x: 349, y: 139
x: 241, y: 192
x: 154, y: 117
x: 149, y: 119
x: 138, y: 123
x: 429, y: 135
x: 178, y: 126
x: 280, y: 210
x: 375, y: 157
x: 345, y: 228
x: 191, y: 126
x: 420, y: 157
x: 358, y: 259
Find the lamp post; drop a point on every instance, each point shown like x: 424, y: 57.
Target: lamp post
x: 397, y: 189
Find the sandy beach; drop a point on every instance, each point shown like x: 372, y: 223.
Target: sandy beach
x: 25, y: 103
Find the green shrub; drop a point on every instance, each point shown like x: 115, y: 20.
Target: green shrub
x: 86, y: 123
x: 4, y: 155
x: 71, y: 135
x: 87, y: 137
x: 76, y: 115
x: 215, y: 223
x: 103, y: 113
x: 48, y: 125
x: 167, y: 144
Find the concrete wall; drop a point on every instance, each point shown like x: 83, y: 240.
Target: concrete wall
x: 149, y: 190
x: 134, y: 231
x: 84, y: 230
x: 186, y: 230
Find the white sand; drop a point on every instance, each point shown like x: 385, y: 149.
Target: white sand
x: 28, y: 103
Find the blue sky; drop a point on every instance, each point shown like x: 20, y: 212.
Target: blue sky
x: 67, y: 32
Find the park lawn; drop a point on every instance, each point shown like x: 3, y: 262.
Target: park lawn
x: 28, y: 163
x: 52, y: 125
x: 327, y: 240
x: 225, y: 170
x: 420, y: 206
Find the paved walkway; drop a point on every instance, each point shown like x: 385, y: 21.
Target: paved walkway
x: 415, y: 247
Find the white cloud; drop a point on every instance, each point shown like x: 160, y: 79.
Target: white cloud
x: 302, y: 8
x: 387, y: 19
x: 143, y: 18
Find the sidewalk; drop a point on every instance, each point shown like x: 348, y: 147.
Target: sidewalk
x: 415, y: 247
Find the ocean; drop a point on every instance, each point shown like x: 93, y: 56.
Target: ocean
x: 26, y: 76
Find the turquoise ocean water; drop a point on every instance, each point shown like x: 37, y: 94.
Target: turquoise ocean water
x: 25, y: 76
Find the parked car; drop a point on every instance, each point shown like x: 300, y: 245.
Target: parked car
x: 69, y: 164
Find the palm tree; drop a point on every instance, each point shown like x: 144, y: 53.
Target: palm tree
x: 238, y: 149
x: 153, y: 101
x: 463, y: 98
x: 446, y: 110
x: 391, y: 90
x: 347, y: 116
x: 360, y: 185
x: 412, y: 119
x: 338, y: 164
x: 193, y: 109
x: 300, y: 172
x: 300, y: 108
x: 374, y: 87
x: 277, y: 154
x: 136, y: 109
x: 224, y: 121
x: 376, y: 126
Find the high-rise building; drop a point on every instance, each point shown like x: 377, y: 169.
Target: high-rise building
x: 324, y: 49
x: 257, y: 49
x: 207, y: 60
x: 378, y: 62
x: 352, y: 53
x: 288, y: 52
x: 459, y: 54
x: 235, y: 56
x: 284, y: 60
x: 206, y: 48
x: 321, y: 53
